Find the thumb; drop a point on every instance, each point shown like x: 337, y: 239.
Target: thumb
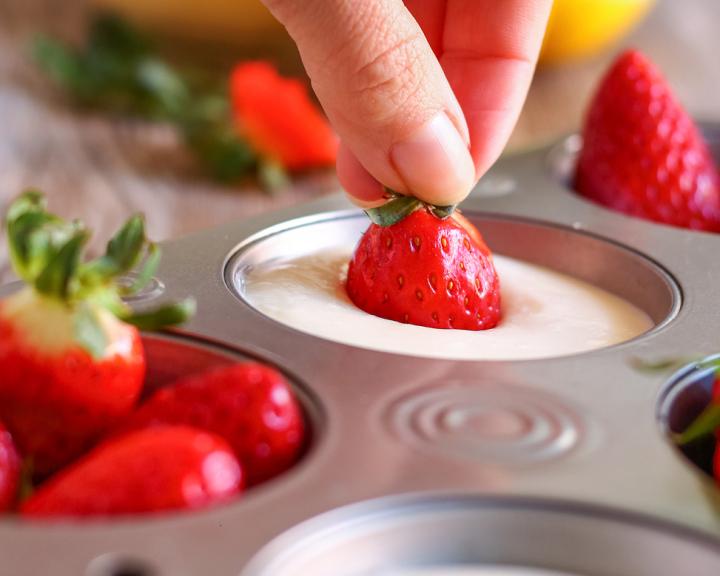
x: 386, y: 95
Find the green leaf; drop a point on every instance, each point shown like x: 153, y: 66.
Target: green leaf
x: 162, y: 84
x: 121, y: 255
x: 272, y: 176
x: 706, y: 423
x: 393, y: 211
x: 30, y: 201
x: 443, y: 212
x: 146, y: 272
x: 34, y: 236
x: 56, y: 277
x: 112, y: 34
x: 89, y: 332
x: 165, y: 316
x: 60, y: 63
x: 208, y: 132
x: 660, y: 365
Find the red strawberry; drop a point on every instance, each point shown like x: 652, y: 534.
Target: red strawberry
x: 642, y: 153
x: 250, y: 405
x: 71, y: 369
x: 9, y: 470
x: 171, y: 468
x: 424, y: 270
x: 277, y: 117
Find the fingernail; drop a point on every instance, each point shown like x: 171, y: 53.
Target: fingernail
x: 435, y: 163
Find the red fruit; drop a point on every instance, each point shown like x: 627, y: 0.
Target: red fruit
x: 277, y: 117
x: 250, y: 405
x: 10, y: 465
x: 69, y: 368
x: 171, y: 468
x: 716, y: 391
x: 426, y: 271
x: 56, y: 398
x: 643, y: 155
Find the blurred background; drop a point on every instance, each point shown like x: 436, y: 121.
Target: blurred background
x: 103, y: 161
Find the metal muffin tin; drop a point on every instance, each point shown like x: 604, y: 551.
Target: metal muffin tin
x: 580, y: 477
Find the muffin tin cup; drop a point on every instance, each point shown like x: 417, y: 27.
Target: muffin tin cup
x: 589, y: 438
x: 441, y: 531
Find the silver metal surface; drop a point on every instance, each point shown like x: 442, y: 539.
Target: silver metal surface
x: 578, y: 435
x: 442, y: 530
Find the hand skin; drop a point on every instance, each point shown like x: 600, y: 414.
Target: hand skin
x: 423, y: 93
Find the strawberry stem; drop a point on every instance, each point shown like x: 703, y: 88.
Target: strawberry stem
x: 399, y: 207
x: 46, y: 252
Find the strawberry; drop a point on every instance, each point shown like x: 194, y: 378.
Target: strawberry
x: 250, y: 405
x: 171, y: 468
x: 71, y: 358
x: 643, y: 155
x: 9, y: 470
x: 416, y: 265
x: 277, y: 117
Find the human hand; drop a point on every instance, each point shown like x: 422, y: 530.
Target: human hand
x: 424, y: 94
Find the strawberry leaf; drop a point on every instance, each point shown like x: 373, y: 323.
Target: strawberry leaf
x: 393, y: 211
x: 47, y: 254
x: 168, y: 315
x: 34, y: 236
x: 443, y: 212
x: 89, y: 332
x: 146, y: 272
x: 706, y: 423
x: 121, y: 255
x: 55, y: 279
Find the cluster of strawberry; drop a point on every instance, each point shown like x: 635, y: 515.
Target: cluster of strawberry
x: 73, y: 440
x: 642, y: 153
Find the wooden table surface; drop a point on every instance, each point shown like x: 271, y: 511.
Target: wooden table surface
x: 102, y: 169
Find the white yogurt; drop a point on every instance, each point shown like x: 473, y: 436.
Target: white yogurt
x: 544, y: 313
x: 473, y: 571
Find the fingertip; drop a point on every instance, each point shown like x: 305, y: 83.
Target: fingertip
x: 435, y: 162
x: 362, y: 189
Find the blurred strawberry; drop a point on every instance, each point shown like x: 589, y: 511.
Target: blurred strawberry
x: 278, y: 118
x: 643, y: 155
x: 9, y: 470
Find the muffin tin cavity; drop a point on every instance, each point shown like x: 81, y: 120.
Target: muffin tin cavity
x: 395, y: 537
x: 686, y: 395
x: 581, y: 291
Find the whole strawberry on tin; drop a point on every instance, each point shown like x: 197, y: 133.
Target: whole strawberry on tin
x: 71, y: 358
x: 642, y: 153
x: 424, y: 265
x: 172, y: 468
x: 250, y: 405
